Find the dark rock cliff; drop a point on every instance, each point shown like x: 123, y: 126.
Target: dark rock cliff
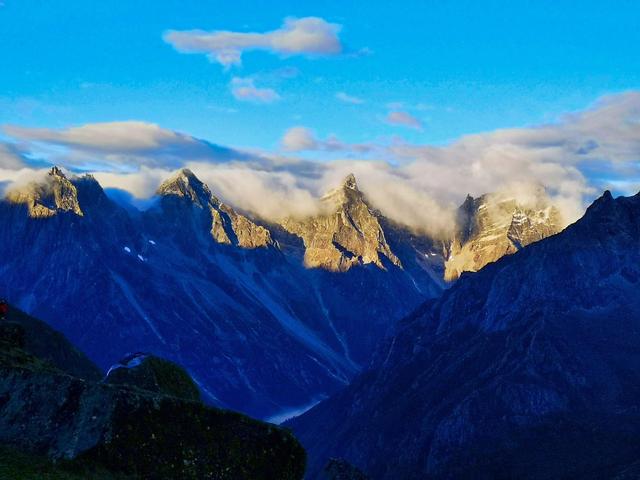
x: 123, y: 428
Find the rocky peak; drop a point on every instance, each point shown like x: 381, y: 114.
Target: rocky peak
x: 56, y: 172
x: 498, y: 224
x: 186, y: 185
x: 347, y: 233
x: 89, y: 189
x: 48, y: 197
x: 350, y: 182
x: 227, y: 226
x: 347, y: 192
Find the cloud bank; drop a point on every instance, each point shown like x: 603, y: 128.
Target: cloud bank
x: 120, y: 146
x: 420, y: 186
x: 297, y: 36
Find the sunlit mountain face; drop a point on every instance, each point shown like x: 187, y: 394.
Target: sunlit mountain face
x: 381, y: 226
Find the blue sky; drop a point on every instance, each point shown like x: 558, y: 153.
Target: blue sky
x: 469, y: 66
x: 273, y: 102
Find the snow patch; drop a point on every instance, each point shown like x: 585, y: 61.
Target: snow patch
x: 127, y: 249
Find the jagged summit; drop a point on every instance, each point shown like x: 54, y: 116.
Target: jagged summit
x: 347, y: 192
x: 347, y: 234
x: 227, y: 226
x: 498, y: 224
x: 184, y: 183
x: 350, y: 182
x: 55, y: 171
x: 48, y: 197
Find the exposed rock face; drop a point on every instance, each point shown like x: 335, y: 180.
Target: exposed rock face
x: 227, y: 226
x: 146, y: 434
x: 57, y: 194
x: 528, y: 368
x: 348, y: 234
x: 495, y: 225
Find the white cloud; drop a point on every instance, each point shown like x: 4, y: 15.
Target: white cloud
x: 269, y: 192
x: 121, y: 136
x: 299, y: 139
x: 343, y: 97
x: 120, y: 145
x: 297, y: 36
x: 417, y: 185
x: 245, y: 90
x: 398, y: 117
x: 142, y: 183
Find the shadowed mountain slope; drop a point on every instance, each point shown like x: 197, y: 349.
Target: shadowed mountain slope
x: 529, y: 368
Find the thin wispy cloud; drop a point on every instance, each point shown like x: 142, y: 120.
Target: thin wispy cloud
x: 343, y: 97
x: 300, y: 139
x: 245, y: 90
x: 311, y: 36
x: 403, y: 119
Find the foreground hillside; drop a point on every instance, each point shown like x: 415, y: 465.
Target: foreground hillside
x: 529, y: 368
x: 144, y: 422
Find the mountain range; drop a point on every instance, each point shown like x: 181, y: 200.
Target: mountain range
x: 228, y: 297
x: 267, y: 318
x: 528, y: 368
x: 507, y: 350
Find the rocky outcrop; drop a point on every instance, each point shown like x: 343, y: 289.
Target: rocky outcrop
x: 45, y: 199
x: 347, y: 234
x: 494, y: 225
x: 39, y: 340
x: 121, y: 428
x: 528, y: 368
x: 226, y: 225
x: 157, y: 375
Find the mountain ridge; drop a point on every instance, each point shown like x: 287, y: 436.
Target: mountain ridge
x: 524, y: 369
x: 258, y: 331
